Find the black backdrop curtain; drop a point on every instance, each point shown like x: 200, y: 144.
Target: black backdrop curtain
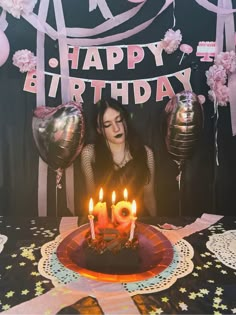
x: 205, y: 186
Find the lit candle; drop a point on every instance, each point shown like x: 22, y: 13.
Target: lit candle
x: 101, y: 210
x: 91, y: 217
x: 125, y: 194
x: 134, y: 218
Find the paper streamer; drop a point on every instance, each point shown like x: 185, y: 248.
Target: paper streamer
x: 40, y: 100
x: 3, y: 21
x: 202, y: 223
x: 68, y: 223
x: 102, y: 5
x: 65, y: 93
x: 112, y: 297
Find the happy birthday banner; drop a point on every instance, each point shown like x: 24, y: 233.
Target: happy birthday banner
x: 142, y: 89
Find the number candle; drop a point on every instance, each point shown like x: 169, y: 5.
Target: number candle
x: 91, y: 217
x: 101, y: 210
x: 134, y: 218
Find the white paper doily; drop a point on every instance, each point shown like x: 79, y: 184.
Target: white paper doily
x: 3, y: 239
x: 50, y: 267
x: 224, y: 247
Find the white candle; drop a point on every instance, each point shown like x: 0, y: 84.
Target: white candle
x: 113, y: 201
x: 134, y: 218
x: 91, y: 217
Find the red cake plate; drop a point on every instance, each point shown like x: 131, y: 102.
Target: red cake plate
x: 155, y: 252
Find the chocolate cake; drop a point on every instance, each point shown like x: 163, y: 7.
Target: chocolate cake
x: 111, y: 252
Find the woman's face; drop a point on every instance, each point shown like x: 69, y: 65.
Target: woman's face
x: 113, y: 126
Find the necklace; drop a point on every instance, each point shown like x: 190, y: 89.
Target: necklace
x: 124, y: 160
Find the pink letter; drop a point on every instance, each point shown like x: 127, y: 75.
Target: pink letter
x: 157, y: 49
x: 164, y: 88
x: 138, y: 97
x: 30, y: 82
x: 92, y: 59
x: 135, y: 55
x: 184, y: 78
x: 123, y: 91
x: 74, y: 57
x: 114, y: 56
x: 98, y: 85
x: 54, y: 85
x: 77, y: 87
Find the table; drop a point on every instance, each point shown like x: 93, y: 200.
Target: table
x: 208, y: 289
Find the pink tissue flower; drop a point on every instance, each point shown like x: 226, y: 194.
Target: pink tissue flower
x: 227, y: 60
x: 18, y: 7
x: 216, y: 74
x: 217, y: 77
x: 171, y: 41
x: 25, y: 60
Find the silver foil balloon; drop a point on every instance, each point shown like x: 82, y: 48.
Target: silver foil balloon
x: 59, y: 133
x: 184, y: 125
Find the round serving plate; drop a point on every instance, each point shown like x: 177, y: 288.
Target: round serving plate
x: 155, y: 252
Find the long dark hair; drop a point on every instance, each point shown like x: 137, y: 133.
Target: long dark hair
x: 104, y: 164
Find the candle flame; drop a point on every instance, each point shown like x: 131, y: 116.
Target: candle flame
x: 91, y: 206
x: 113, y: 197
x: 125, y: 194
x: 134, y: 207
x: 101, y: 195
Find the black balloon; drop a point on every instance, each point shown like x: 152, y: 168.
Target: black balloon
x: 59, y: 133
x: 184, y: 120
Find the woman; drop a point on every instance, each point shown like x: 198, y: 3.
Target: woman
x: 118, y: 160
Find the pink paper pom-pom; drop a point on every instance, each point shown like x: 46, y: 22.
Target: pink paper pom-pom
x: 25, y: 60
x: 217, y: 77
x: 171, y: 41
x: 18, y: 7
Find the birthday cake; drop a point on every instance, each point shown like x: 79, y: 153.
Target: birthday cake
x: 111, y: 244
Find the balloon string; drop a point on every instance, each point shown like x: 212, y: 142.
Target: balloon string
x: 180, y: 191
x: 181, y: 58
x: 174, y: 19
x: 58, y: 178
x: 216, y: 133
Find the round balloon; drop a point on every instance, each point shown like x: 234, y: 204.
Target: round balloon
x: 59, y: 133
x: 4, y: 48
x: 184, y: 119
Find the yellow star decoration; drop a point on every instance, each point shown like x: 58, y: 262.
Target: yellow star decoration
x: 9, y: 294
x: 195, y: 274
x: 192, y: 296
x: 183, y: 290
x: 8, y: 267
x: 24, y: 292
x: 158, y: 311
x: 199, y: 268
x: 233, y: 310
x: 217, y: 313
x: 204, y: 291
x: 6, y: 307
x: 165, y: 299
x: 27, y: 252
x: 22, y: 264
x: 224, y: 272
x: 34, y: 273
x: 13, y: 255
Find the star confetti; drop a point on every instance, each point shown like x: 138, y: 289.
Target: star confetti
x: 183, y: 306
